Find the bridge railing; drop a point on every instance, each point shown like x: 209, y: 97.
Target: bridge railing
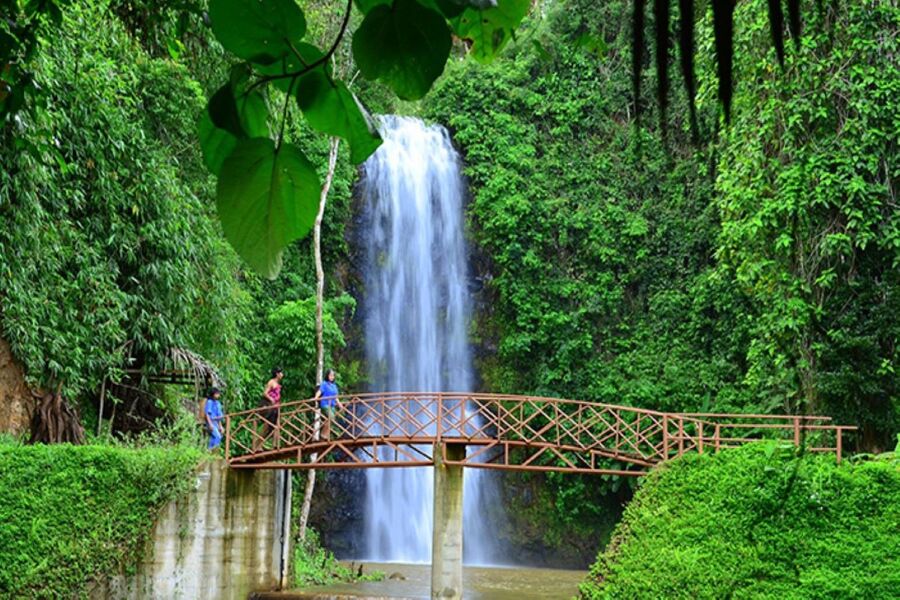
x: 504, y: 431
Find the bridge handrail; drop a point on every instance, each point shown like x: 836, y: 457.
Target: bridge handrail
x: 478, y: 396
x: 696, y: 418
x: 635, y: 435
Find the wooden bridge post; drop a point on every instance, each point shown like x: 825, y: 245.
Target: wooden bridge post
x: 227, y: 438
x: 838, y: 444
x: 797, y: 432
x: 447, y: 540
x: 665, y: 442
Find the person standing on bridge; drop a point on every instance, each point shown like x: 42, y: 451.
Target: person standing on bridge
x: 328, y: 399
x: 271, y: 397
x: 212, y: 409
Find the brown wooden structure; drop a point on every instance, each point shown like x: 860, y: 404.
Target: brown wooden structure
x: 404, y: 429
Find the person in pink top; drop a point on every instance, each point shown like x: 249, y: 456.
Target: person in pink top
x: 272, y: 398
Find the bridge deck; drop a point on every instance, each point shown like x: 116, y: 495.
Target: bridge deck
x: 503, y: 432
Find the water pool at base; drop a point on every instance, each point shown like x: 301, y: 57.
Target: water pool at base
x: 479, y: 583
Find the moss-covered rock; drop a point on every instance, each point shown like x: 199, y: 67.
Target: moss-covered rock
x: 758, y: 522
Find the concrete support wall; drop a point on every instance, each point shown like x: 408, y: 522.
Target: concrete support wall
x: 222, y: 541
x: 447, y: 547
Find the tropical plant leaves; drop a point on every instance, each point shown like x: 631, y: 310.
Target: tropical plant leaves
x: 216, y: 144
x: 293, y: 64
x: 260, y: 31
x: 267, y: 197
x: 405, y: 45
x: 242, y: 114
x: 490, y: 29
x: 234, y: 112
x: 365, y: 6
x: 330, y: 107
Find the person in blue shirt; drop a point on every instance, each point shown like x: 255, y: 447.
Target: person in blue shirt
x: 328, y: 399
x: 214, y: 416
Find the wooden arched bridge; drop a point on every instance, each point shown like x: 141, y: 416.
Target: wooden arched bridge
x: 403, y: 429
x: 454, y: 430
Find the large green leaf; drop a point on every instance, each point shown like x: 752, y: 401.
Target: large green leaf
x: 267, y: 197
x: 231, y: 114
x: 331, y: 108
x: 405, y: 45
x: 242, y: 114
x: 490, y: 29
x: 260, y: 31
x: 215, y: 143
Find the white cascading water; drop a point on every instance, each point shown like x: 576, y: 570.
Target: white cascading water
x: 416, y: 320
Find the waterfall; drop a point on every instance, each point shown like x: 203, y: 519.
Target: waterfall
x: 417, y: 311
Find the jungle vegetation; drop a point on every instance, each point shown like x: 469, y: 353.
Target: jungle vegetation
x: 680, y: 261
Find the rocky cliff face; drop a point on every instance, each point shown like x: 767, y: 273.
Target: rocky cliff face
x: 16, y: 401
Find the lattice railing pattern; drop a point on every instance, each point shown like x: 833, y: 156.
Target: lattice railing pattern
x: 501, y: 431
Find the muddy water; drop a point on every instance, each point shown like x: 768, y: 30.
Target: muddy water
x: 480, y: 583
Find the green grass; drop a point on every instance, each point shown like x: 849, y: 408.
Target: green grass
x: 757, y: 522
x: 70, y: 515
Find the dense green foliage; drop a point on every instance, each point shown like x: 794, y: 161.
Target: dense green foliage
x: 757, y: 522
x: 72, y: 515
x: 598, y: 250
x: 293, y: 341
x: 810, y: 228
x: 110, y: 249
x: 756, y: 272
x: 107, y: 247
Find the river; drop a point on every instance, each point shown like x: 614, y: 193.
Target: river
x: 479, y: 583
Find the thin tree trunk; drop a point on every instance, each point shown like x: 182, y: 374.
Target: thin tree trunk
x: 320, y: 346
x: 102, y: 398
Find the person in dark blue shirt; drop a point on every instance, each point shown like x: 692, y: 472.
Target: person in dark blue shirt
x: 328, y: 399
x: 214, y: 416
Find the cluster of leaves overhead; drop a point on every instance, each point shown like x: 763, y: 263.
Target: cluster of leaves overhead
x: 73, y: 516
x: 267, y: 191
x: 106, y: 247
x: 757, y: 522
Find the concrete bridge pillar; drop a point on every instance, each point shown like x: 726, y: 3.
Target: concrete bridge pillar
x: 447, y: 543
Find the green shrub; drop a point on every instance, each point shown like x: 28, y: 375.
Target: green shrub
x: 70, y: 515
x: 757, y: 522
x: 314, y: 565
